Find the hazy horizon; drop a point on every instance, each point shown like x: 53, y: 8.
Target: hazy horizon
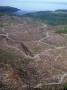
x: 39, y: 5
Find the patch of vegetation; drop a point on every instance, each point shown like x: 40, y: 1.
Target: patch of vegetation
x: 65, y: 86
x: 64, y: 30
x: 34, y: 50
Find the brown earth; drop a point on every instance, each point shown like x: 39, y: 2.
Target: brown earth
x: 44, y: 52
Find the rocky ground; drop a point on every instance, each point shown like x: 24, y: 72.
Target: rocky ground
x: 31, y: 54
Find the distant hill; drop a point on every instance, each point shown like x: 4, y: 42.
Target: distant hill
x: 61, y: 10
x: 21, y: 12
x: 8, y: 9
x: 11, y: 10
x: 50, y: 17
